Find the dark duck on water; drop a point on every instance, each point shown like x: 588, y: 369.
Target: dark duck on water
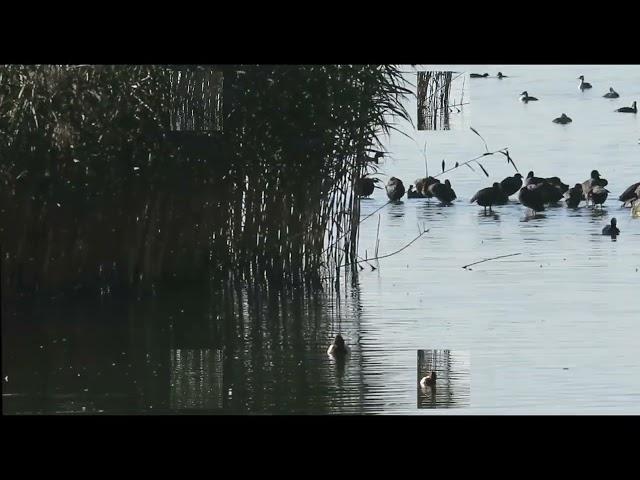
x: 411, y: 193
x: 443, y: 192
x: 395, y: 189
x: 531, y: 198
x: 338, y: 347
x: 612, y: 229
x: 489, y: 196
x: 599, y: 195
x: 511, y: 185
x: 562, y: 119
x: 477, y: 75
x: 632, y: 109
x: 574, y: 196
x: 611, y: 93
x: 588, y: 185
x: 583, y: 85
x: 365, y: 186
x: 630, y: 195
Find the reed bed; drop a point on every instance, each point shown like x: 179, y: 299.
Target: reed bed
x: 434, y: 96
x: 101, y: 195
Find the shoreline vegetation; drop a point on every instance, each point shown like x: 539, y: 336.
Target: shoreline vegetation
x: 124, y: 180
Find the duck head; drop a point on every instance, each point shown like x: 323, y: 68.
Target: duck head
x: 447, y: 183
x: 530, y: 174
x: 595, y: 174
x: 339, y: 342
x: 525, y: 93
x: 613, y: 222
x: 517, y: 175
x: 581, y: 77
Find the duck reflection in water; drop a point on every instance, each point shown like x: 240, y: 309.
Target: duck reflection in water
x: 396, y: 209
x: 488, y: 216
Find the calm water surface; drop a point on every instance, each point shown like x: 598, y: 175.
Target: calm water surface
x: 555, y: 329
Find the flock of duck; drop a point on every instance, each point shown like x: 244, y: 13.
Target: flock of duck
x: 338, y: 349
x: 534, y: 192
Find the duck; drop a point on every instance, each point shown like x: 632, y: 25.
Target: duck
x: 632, y: 109
x: 443, y: 192
x: 395, y: 189
x: 630, y: 194
x: 365, y: 186
x: 531, y: 198
x: 511, y: 185
x: 477, y: 75
x: 611, y: 93
x: 588, y: 185
x: 411, y: 193
x: 532, y: 179
x: 338, y: 347
x: 563, y: 119
x: 548, y: 192
x: 556, y: 182
x: 501, y: 76
x: 599, y: 195
x: 574, y: 196
x: 429, y: 380
x: 583, y: 85
x: 612, y: 229
x: 423, y: 184
x: 524, y: 97
x: 488, y: 196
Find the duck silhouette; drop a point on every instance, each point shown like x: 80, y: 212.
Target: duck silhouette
x: 338, y: 347
x: 611, y: 229
x: 511, y: 185
x: 395, y: 189
x: 489, y: 196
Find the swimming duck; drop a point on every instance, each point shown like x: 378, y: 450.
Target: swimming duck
x: 574, y: 196
x: 524, y: 96
x: 501, y: 76
x: 511, y: 185
x: 531, y: 198
x: 423, y: 184
x: 338, y: 347
x: 632, y: 109
x: 630, y: 194
x: 563, y: 119
x: 411, y: 193
x: 611, y: 93
x: 395, y: 189
x: 489, y: 196
x: 583, y: 85
x: 599, y: 195
x: 612, y: 229
x: 588, y: 185
x: 443, y: 192
x: 477, y: 75
x: 365, y: 186
x: 429, y: 380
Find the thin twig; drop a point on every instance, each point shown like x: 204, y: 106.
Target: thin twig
x: 390, y: 254
x: 494, y: 258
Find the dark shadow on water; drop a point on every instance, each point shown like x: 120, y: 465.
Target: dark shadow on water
x: 237, y: 351
x: 488, y: 216
x: 529, y: 216
x: 396, y: 209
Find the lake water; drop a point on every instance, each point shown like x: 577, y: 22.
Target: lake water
x: 555, y: 329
